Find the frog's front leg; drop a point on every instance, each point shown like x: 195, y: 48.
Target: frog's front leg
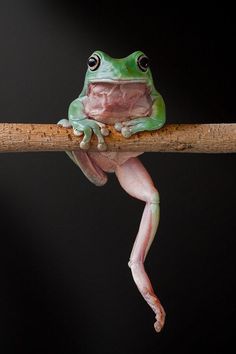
x: 154, y: 122
x: 83, y: 124
x: 136, y: 181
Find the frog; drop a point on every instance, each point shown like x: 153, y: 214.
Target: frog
x: 120, y: 92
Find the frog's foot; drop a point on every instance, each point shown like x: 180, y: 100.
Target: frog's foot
x: 146, y: 290
x: 160, y: 318
x: 64, y: 123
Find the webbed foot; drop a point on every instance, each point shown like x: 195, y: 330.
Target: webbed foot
x: 160, y: 318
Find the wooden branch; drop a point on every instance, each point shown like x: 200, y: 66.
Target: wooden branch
x: 201, y: 138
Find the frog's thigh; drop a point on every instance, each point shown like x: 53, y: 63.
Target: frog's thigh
x: 136, y: 181
x: 89, y: 167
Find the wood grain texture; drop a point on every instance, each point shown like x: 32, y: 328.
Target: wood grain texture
x: 195, y: 138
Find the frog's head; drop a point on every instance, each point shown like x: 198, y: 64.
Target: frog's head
x: 131, y: 69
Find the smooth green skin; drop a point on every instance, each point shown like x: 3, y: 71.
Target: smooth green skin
x: 116, y: 69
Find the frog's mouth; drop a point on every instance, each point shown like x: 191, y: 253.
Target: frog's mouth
x: 112, y: 100
x: 118, y: 81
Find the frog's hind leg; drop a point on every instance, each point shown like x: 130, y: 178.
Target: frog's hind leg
x: 89, y: 168
x: 136, y: 181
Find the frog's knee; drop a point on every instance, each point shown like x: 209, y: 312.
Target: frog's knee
x: 134, y: 263
x: 154, y: 197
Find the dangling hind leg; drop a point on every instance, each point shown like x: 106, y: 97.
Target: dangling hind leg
x: 136, y: 181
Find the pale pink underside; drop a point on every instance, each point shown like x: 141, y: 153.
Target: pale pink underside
x: 108, y: 161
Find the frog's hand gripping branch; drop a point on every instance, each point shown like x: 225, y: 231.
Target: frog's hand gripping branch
x: 154, y: 122
x: 136, y: 181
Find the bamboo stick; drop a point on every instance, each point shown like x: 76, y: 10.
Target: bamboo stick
x: 197, y: 138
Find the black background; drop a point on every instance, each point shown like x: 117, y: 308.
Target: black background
x: 65, y: 244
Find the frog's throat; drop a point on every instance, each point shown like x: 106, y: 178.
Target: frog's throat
x: 117, y: 100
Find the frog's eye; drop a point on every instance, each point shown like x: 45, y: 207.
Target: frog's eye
x: 143, y: 62
x: 93, y: 62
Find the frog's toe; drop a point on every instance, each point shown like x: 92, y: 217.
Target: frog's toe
x: 102, y: 147
x: 118, y: 126
x: 64, y: 122
x: 84, y: 145
x: 160, y: 319
x: 77, y: 132
x: 105, y: 131
x: 126, y: 132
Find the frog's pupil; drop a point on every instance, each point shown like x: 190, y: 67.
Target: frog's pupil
x: 143, y: 62
x: 93, y: 62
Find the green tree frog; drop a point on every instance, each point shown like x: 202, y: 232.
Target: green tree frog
x: 121, y: 93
